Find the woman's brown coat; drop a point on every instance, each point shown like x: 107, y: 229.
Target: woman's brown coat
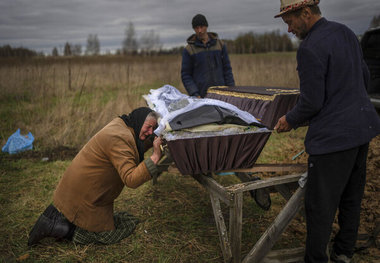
x: 97, y: 175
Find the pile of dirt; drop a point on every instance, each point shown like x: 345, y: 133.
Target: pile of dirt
x: 369, y: 236
x: 55, y: 154
x: 370, y: 213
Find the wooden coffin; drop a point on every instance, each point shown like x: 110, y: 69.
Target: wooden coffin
x: 267, y: 104
x: 213, y: 154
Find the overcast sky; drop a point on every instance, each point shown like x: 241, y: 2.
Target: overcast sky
x: 42, y: 25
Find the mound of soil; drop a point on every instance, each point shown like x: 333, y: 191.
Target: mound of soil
x: 370, y: 214
x: 369, y: 236
x: 58, y: 153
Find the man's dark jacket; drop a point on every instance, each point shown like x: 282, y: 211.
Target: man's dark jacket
x: 333, y: 97
x: 205, y: 65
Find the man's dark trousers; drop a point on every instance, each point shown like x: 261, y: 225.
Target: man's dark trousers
x: 335, y: 181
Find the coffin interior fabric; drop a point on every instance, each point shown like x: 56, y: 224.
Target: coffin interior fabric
x: 173, y: 105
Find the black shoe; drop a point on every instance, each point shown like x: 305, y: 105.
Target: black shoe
x: 339, y: 258
x: 50, y: 224
x: 261, y: 196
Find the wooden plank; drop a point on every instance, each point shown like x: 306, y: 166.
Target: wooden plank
x: 261, y: 168
x: 247, y: 186
x: 210, y: 184
x: 292, y: 255
x: 221, y: 227
x: 271, y: 235
x: 287, y: 194
x: 276, y: 168
x: 236, y: 222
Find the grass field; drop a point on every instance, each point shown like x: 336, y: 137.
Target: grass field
x: 63, y: 102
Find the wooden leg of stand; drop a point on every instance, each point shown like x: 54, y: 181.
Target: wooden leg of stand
x: 236, y: 217
x: 271, y: 235
x: 221, y: 226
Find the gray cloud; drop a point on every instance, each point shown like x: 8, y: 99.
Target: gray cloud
x: 44, y: 24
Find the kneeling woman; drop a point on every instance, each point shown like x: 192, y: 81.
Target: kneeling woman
x: 82, y: 208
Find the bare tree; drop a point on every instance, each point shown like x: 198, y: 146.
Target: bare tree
x: 375, y: 22
x: 76, y: 50
x: 93, y: 46
x: 54, y: 52
x: 67, y: 49
x: 150, y: 43
x: 130, y: 45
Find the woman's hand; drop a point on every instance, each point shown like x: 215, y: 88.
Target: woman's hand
x: 156, y: 156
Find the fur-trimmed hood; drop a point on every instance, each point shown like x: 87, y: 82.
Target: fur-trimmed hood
x: 193, y: 38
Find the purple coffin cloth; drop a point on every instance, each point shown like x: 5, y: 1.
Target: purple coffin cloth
x: 267, y: 104
x: 214, y: 154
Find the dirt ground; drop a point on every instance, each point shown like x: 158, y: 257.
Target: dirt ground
x: 368, y: 242
x: 58, y: 153
x: 370, y: 214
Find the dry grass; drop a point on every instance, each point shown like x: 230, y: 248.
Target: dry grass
x: 177, y: 223
x: 265, y: 70
x: 65, y: 101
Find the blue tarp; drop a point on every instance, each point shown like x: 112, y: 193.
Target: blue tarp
x: 18, y: 143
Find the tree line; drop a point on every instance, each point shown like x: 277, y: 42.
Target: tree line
x: 250, y: 42
x: 149, y: 44
x: 8, y: 51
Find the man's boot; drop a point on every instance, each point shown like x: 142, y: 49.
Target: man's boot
x: 50, y: 224
x: 339, y: 258
x: 261, y: 196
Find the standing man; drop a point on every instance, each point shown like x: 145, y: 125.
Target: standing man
x: 82, y: 209
x: 205, y: 61
x: 342, y: 121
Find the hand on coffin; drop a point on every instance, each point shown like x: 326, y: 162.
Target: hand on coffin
x: 282, y: 125
x: 156, y: 155
x: 166, y: 159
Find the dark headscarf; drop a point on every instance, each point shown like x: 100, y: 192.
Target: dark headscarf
x: 135, y: 120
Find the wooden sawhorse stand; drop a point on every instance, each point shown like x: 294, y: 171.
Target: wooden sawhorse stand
x: 233, y: 196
